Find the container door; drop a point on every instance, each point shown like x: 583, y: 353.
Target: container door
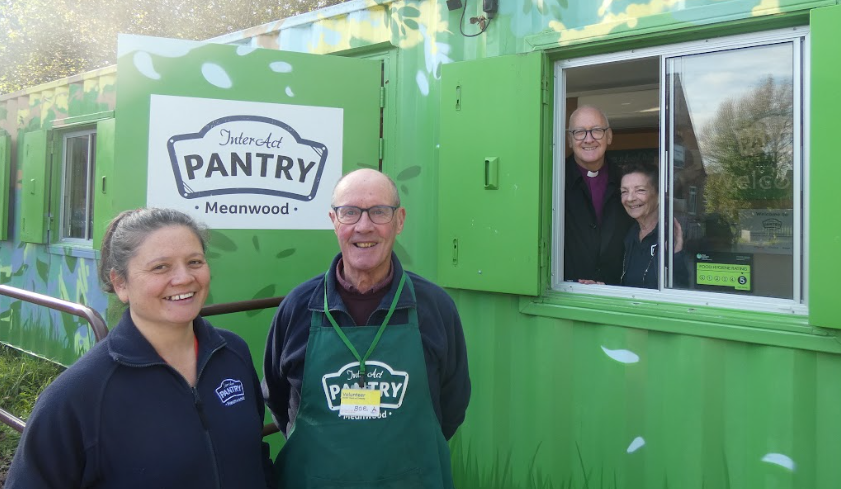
x: 489, y: 176
x: 250, y: 142
x: 822, y: 238
x: 103, y: 197
x: 33, y: 201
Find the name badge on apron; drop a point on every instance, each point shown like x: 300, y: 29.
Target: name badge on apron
x: 360, y: 402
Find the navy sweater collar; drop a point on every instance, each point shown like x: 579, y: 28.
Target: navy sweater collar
x: 128, y: 346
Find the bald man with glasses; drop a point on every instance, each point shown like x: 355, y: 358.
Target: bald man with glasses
x: 595, y: 223
x: 366, y: 363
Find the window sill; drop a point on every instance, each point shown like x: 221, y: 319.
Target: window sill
x: 775, y: 329
x: 75, y: 250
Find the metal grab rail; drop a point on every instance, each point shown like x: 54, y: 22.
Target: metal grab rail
x: 100, y: 330
x: 12, y: 421
x: 250, y: 305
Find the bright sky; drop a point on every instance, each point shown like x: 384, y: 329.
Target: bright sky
x: 710, y: 79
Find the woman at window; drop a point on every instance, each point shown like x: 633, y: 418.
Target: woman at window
x: 641, y: 200
x: 166, y: 399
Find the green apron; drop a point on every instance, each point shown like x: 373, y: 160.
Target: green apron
x: 403, y: 448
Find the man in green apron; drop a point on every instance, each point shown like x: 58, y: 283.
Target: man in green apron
x: 365, y: 368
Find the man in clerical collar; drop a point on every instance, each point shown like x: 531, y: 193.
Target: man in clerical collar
x: 595, y: 222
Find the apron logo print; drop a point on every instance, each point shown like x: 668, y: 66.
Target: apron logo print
x: 391, y: 383
x: 230, y: 392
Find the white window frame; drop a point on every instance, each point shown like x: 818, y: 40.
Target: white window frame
x: 798, y: 305
x: 89, y: 191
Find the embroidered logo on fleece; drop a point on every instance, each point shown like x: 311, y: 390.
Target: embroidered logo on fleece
x: 230, y: 392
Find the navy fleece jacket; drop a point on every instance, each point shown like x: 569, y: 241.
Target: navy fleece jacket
x: 121, y: 418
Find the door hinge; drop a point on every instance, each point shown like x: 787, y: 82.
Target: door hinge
x: 382, y: 97
x: 544, y: 90
x: 381, y: 148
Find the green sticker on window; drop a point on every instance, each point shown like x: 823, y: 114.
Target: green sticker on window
x: 721, y: 274
x: 730, y: 270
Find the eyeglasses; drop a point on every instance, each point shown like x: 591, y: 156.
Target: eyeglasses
x: 581, y: 134
x: 378, y: 214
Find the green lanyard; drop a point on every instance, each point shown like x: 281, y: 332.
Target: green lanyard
x: 347, y: 342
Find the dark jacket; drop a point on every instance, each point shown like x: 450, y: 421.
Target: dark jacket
x: 641, y: 262
x: 593, y: 251
x: 441, y: 333
x: 121, y: 418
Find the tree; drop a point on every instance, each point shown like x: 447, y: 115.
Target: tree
x: 45, y: 40
x: 748, y: 148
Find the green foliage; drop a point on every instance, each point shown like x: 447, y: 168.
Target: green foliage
x: 45, y: 40
x: 22, y: 378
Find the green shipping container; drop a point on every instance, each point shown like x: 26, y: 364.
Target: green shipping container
x: 731, y: 378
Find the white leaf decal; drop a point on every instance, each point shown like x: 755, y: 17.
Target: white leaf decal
x: 216, y: 75
x: 143, y: 63
x: 423, y: 83
x: 281, y: 67
x: 636, y: 444
x: 779, y: 459
x: 624, y: 356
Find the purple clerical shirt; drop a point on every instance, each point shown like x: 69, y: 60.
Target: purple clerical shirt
x: 598, y: 188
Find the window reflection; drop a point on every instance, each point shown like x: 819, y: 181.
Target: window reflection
x: 732, y: 143
x: 77, y: 211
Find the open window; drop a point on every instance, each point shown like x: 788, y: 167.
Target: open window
x: 64, y: 184
x: 721, y: 121
x: 77, y: 186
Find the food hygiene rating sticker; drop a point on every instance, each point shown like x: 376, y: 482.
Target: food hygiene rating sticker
x: 724, y: 270
x: 342, y: 387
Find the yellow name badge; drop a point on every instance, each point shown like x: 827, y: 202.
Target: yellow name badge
x: 360, y: 402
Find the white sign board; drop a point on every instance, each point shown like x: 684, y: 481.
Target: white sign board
x: 244, y: 165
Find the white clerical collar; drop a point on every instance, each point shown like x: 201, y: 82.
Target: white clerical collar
x: 592, y: 174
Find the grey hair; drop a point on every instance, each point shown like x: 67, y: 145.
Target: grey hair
x: 126, y: 232
x: 395, y: 193
x: 591, y: 107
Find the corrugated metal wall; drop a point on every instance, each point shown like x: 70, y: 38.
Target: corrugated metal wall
x: 557, y: 403
x: 36, y: 267
x: 576, y: 404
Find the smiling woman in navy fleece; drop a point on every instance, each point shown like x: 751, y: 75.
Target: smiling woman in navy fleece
x: 166, y: 400
x: 641, y: 199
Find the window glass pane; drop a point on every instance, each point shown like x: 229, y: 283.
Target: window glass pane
x: 731, y: 140
x: 624, y: 97
x: 77, y: 174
